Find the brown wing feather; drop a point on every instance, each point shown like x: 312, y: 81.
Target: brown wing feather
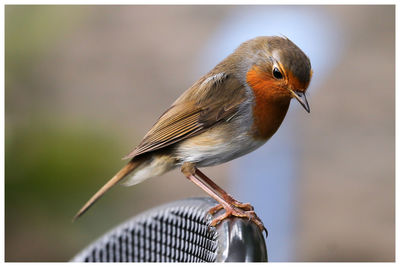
x: 202, y: 106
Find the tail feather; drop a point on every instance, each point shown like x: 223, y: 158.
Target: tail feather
x: 117, y: 177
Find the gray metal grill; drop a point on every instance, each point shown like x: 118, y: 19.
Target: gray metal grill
x: 175, y: 232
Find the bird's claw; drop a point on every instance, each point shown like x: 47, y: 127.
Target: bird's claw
x: 237, y: 204
x: 244, y: 210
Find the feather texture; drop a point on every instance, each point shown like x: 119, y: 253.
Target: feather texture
x: 210, y: 101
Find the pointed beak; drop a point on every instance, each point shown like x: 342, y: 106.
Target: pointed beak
x: 301, y: 97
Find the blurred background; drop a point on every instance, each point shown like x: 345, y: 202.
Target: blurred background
x: 85, y: 83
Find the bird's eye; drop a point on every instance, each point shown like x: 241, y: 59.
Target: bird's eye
x: 277, y: 74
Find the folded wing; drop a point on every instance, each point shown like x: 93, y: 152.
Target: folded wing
x: 210, y: 101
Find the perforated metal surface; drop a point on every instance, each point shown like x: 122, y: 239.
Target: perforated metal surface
x: 176, y: 232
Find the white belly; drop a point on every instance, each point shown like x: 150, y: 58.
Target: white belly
x: 216, y: 146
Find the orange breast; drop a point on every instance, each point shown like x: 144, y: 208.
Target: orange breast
x: 270, y: 105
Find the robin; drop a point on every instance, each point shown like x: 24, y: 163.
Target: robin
x: 229, y: 112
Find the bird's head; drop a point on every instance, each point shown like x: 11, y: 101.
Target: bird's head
x: 276, y: 66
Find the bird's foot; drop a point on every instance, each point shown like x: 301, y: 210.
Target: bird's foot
x: 237, y: 204
x: 246, y: 212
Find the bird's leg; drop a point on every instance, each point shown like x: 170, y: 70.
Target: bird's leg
x: 197, y: 177
x: 224, y: 194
